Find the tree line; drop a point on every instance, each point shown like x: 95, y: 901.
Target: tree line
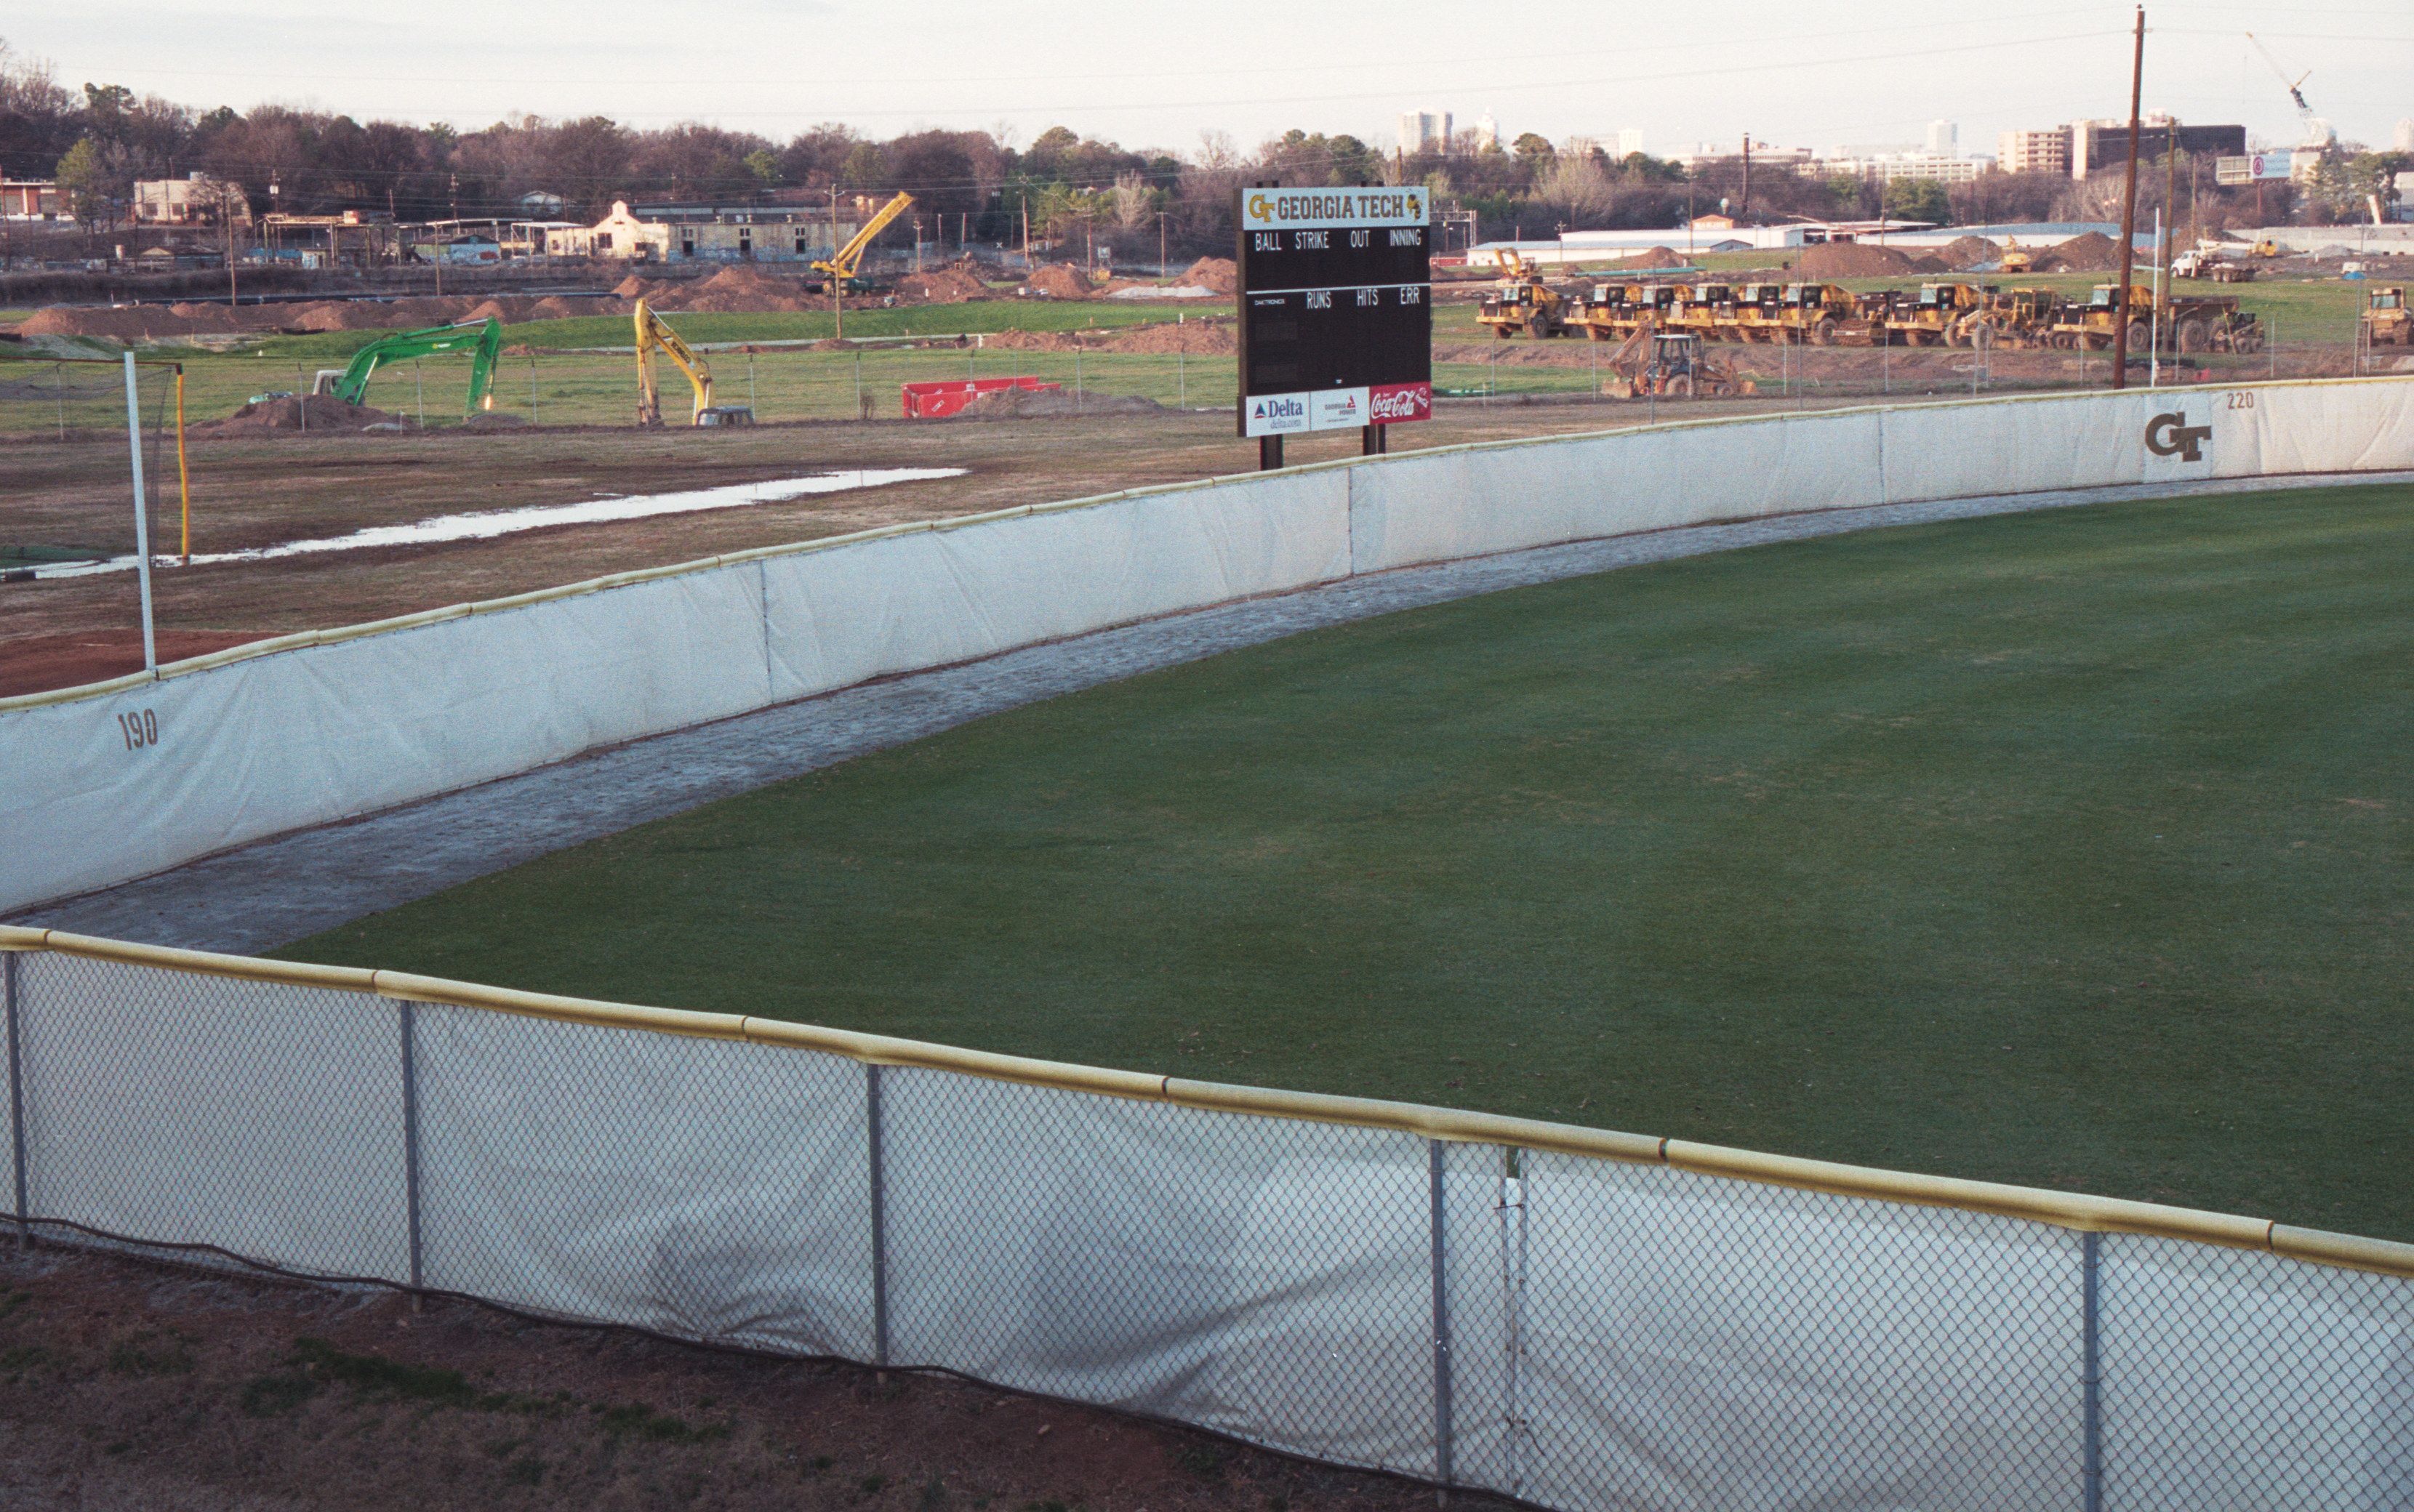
x: 982, y: 187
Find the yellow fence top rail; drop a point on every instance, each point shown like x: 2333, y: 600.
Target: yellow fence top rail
x: 2062, y: 1209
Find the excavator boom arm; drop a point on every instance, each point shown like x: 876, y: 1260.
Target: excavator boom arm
x: 481, y: 339
x: 842, y: 264
x: 652, y: 332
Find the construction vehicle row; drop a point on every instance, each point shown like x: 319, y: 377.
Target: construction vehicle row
x: 1937, y: 314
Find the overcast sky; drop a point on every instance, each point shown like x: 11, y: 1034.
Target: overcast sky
x: 1818, y: 74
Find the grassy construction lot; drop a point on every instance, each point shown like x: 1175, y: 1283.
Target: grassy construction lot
x: 2069, y: 849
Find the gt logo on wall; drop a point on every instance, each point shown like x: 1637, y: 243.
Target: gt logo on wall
x: 2169, y: 435
x: 1337, y: 316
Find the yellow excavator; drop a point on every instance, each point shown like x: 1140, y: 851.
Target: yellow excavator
x: 842, y: 265
x: 654, y: 332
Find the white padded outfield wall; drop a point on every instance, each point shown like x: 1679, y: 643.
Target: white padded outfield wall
x: 288, y: 733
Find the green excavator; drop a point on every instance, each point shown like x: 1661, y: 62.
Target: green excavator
x: 481, y: 339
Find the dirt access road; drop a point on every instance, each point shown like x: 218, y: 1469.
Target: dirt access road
x: 130, y: 1385
x: 256, y: 493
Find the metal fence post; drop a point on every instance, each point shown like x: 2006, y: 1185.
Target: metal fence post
x: 2090, y: 1378
x: 410, y: 1016
x: 1441, y: 1325
x: 1513, y: 1288
x: 876, y: 1137
x: 15, y: 1094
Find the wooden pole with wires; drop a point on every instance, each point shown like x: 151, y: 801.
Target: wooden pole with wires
x: 2129, y: 215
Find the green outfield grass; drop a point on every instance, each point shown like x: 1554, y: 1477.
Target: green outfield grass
x: 2070, y: 849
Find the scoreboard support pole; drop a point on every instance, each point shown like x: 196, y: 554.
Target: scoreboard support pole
x: 1269, y: 453
x: 1374, y: 440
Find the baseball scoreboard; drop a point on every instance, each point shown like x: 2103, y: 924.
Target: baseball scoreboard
x: 1337, y: 315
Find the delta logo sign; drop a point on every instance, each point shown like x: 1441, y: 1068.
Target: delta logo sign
x: 1390, y: 403
x: 1273, y: 414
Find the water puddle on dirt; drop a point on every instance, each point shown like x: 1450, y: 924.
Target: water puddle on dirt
x: 489, y: 523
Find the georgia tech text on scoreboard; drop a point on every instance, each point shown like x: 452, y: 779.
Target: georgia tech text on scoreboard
x: 1283, y: 209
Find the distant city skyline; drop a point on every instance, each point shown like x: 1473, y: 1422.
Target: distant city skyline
x: 1813, y: 77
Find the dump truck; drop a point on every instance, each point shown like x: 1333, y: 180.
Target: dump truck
x: 1523, y: 301
x: 1616, y: 311
x: 2189, y: 323
x: 1760, y: 313
x: 1823, y: 314
x: 2387, y: 321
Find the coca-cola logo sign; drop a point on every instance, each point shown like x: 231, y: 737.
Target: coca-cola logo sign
x: 1392, y: 402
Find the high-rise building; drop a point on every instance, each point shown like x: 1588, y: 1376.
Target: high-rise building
x: 1487, y: 132
x: 1942, y: 138
x: 2097, y: 145
x: 2033, y: 152
x: 1423, y: 131
x: 1630, y: 141
x: 2405, y: 139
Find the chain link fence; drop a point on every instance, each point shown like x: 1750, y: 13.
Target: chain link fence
x: 1569, y: 1330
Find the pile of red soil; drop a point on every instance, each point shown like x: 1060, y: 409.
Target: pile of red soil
x: 1219, y: 274
x: 1931, y: 262
x: 950, y: 283
x: 1197, y: 338
x: 1057, y: 281
x: 1658, y: 257
x: 735, y: 291
x: 1853, y: 259
x: 1966, y: 252
x: 325, y: 414
x: 2088, y: 252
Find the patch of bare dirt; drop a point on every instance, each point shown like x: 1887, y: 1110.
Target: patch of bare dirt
x: 1037, y: 404
x: 1658, y: 257
x: 36, y: 663
x: 127, y: 1385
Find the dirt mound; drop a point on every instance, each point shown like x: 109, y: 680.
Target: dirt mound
x: 1025, y: 404
x: 1057, y: 281
x: 1929, y: 263
x: 1195, y: 337
x: 326, y: 413
x: 2088, y: 252
x: 1222, y: 275
x: 738, y: 290
x: 951, y: 283
x: 148, y: 322
x: 633, y: 286
x: 1966, y: 252
x: 1658, y: 257
x: 1032, y: 340
x: 1853, y: 259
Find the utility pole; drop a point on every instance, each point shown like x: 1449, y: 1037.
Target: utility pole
x: 2129, y: 214
x: 1744, y: 212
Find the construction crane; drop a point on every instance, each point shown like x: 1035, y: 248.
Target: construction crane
x: 654, y: 332
x: 481, y: 339
x: 842, y: 265
x: 2318, y: 134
